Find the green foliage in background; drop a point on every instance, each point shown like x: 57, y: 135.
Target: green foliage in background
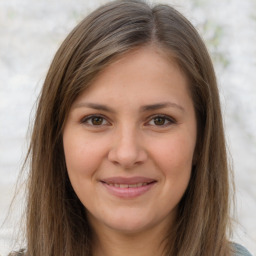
x: 213, y: 34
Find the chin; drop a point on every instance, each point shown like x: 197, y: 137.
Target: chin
x: 130, y: 227
x: 129, y: 224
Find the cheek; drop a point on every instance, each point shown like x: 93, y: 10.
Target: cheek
x: 175, y: 152
x: 83, y: 158
x: 173, y: 157
x: 82, y: 155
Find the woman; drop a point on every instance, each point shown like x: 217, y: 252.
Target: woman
x: 128, y: 151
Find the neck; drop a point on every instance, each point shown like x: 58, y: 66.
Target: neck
x: 112, y: 243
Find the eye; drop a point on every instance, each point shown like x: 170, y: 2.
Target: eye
x: 161, y: 120
x: 95, y: 120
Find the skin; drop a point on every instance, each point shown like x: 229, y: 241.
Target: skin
x: 126, y: 139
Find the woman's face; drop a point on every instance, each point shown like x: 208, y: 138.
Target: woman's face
x: 129, y: 142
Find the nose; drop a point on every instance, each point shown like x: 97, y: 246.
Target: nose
x: 127, y: 149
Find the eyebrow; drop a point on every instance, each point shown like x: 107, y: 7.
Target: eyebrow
x: 144, y: 108
x: 94, y: 106
x: 161, y: 105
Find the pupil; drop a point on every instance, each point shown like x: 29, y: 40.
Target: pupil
x: 159, y: 121
x: 97, y: 120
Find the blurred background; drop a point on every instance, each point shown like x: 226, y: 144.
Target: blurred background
x: 32, y: 30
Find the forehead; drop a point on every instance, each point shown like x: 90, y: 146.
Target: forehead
x: 140, y: 67
x: 138, y: 78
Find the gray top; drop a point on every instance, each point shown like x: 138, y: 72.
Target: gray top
x: 241, y: 251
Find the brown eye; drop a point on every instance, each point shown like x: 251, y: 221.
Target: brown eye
x: 97, y: 120
x: 159, y: 120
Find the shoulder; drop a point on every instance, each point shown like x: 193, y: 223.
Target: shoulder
x: 240, y: 250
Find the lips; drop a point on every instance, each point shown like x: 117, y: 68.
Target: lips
x: 126, y: 180
x: 124, y: 187
x: 136, y: 185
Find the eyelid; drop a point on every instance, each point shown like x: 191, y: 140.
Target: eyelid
x: 85, y: 119
x: 170, y: 119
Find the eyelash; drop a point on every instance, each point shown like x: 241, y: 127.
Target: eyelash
x: 89, y: 119
x: 167, y: 118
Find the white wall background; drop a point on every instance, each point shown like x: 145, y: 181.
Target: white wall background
x: 32, y: 30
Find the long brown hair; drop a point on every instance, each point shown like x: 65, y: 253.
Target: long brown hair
x: 56, y: 222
